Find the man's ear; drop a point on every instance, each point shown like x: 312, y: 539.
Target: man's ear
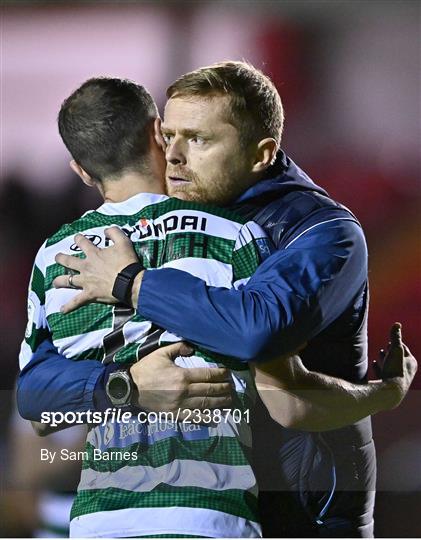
x: 158, y: 135
x: 86, y: 179
x: 265, y: 154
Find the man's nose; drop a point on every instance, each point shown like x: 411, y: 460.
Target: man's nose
x: 175, y: 153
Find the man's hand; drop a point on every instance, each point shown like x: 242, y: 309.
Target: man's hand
x: 97, y: 273
x: 163, y: 386
x: 397, y: 367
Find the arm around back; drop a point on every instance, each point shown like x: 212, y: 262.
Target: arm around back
x: 51, y: 382
x: 294, y: 294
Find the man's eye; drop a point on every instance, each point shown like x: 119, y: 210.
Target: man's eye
x: 197, y: 140
x: 167, y: 138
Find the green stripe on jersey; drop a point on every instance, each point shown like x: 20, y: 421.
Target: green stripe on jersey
x: 128, y: 354
x: 245, y: 260
x: 231, y: 501
x: 156, y: 253
x: 37, y: 283
x: 37, y: 336
x: 90, y: 354
x: 54, y: 270
x: 89, y: 318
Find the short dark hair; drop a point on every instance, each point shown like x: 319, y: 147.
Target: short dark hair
x: 256, y: 106
x: 104, y: 126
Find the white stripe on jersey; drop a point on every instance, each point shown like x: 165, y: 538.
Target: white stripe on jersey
x: 74, y: 345
x: 55, y: 298
x: 25, y: 354
x: 64, y: 245
x: 248, y: 233
x: 136, y: 331
x: 174, y: 520
x: 215, y: 225
x: 215, y: 273
x: 38, y: 316
x: 130, y: 206
x: 177, y: 473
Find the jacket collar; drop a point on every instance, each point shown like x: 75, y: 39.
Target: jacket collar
x: 282, y: 177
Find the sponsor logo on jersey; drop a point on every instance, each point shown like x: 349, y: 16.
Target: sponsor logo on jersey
x: 121, y: 434
x: 31, y: 318
x: 96, y: 239
x: 154, y: 229
x: 158, y: 227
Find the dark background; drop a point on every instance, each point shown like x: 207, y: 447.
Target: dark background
x: 348, y: 74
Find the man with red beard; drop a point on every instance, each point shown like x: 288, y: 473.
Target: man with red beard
x: 222, y: 131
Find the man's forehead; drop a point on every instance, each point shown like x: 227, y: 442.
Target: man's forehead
x: 190, y: 111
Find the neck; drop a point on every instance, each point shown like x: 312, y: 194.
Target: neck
x: 129, y: 184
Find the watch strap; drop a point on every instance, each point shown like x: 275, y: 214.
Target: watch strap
x: 101, y: 401
x: 123, y: 284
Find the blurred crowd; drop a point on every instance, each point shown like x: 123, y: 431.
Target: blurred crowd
x: 352, y: 109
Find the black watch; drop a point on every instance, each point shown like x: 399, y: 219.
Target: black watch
x: 123, y: 284
x: 119, y: 388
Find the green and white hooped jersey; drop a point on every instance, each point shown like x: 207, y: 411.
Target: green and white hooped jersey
x: 160, y: 478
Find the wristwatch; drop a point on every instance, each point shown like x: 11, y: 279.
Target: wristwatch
x: 119, y: 388
x: 123, y: 284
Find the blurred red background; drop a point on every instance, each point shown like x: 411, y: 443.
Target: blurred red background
x: 348, y: 73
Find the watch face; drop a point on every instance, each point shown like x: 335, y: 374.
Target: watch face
x: 118, y: 388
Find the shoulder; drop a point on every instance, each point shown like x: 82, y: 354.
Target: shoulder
x: 88, y: 220
x: 207, y: 210
x: 332, y: 230
x: 299, y: 211
x: 176, y: 215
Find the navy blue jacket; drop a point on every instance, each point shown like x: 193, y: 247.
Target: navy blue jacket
x: 312, y: 289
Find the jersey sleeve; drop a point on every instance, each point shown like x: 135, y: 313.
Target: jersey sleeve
x: 48, y: 381
x: 293, y: 295
x: 36, y: 328
x: 252, y: 246
x: 52, y: 382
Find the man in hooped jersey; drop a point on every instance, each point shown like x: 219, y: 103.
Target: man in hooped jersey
x: 148, y: 475
x: 312, y: 290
